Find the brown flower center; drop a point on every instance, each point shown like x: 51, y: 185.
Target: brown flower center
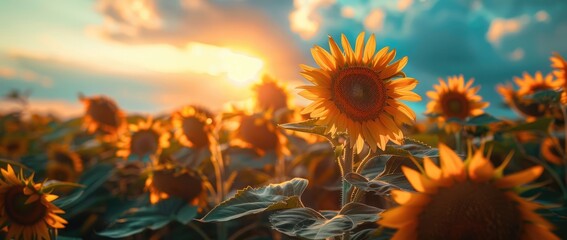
x: 20, y: 213
x: 13, y: 147
x: 60, y: 172
x: 271, y: 96
x: 455, y: 105
x: 194, y: 131
x: 186, y: 186
x: 144, y: 142
x: 257, y: 132
x: 104, y: 112
x: 359, y: 93
x: 470, y: 210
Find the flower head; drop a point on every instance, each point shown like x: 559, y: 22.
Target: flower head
x: 358, y: 91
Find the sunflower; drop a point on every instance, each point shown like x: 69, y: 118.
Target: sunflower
x: 146, y: 139
x: 550, y: 150
x: 194, y: 126
x: 102, y: 114
x: 270, y: 95
x: 182, y: 183
x: 257, y: 131
x: 26, y: 209
x: 13, y: 146
x: 63, y: 155
x: 455, y: 99
x: 559, y: 65
x: 356, y: 91
x: 529, y: 85
x: 464, y: 200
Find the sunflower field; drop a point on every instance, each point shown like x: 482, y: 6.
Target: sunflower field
x: 352, y: 164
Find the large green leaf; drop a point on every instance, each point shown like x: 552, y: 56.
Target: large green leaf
x: 308, y: 126
x: 541, y: 124
x: 255, y: 200
x: 308, y: 223
x: 482, y: 120
x: 548, y: 96
x: 362, y: 183
x: 151, y: 217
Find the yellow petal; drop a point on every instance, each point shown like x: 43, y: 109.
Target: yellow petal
x: 418, y: 181
x: 480, y: 169
x: 451, y: 163
x: 519, y: 178
x: 399, y: 216
x: 409, y: 198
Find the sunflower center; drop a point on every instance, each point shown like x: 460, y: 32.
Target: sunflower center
x: 470, y: 210
x: 257, y: 132
x: 186, y: 186
x: 60, y: 172
x: 359, y: 93
x: 194, y: 131
x: 64, y: 158
x: 144, y: 142
x: 13, y: 147
x: 104, y: 112
x: 20, y: 213
x: 455, y: 105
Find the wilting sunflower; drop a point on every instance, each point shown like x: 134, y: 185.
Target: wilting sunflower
x: 182, y: 183
x: 13, y: 146
x: 528, y: 85
x: 559, y: 65
x: 550, y: 150
x: 466, y: 200
x: 257, y: 131
x: 63, y: 155
x: 102, y: 114
x: 146, y: 139
x: 194, y: 126
x: 25, y: 209
x: 356, y: 91
x: 455, y: 99
x: 270, y: 95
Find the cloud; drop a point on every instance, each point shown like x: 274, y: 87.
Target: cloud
x: 305, y: 19
x: 500, y: 28
x: 9, y: 73
x: 375, y: 20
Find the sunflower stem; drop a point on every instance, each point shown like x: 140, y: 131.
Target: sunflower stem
x: 458, y: 142
x: 564, y: 113
x: 346, y: 168
x: 218, y: 165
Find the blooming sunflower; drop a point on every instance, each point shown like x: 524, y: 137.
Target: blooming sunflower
x: 13, y: 146
x: 194, y: 126
x: 357, y: 91
x: 146, y: 139
x: 559, y: 65
x: 528, y: 85
x: 270, y: 95
x: 257, y: 131
x: 63, y: 155
x: 455, y: 99
x: 550, y: 150
x: 464, y: 200
x: 102, y: 114
x: 182, y: 183
x: 26, y: 209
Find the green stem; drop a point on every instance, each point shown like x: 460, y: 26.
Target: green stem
x: 199, y: 231
x: 347, y: 168
x: 564, y: 112
x: 458, y: 142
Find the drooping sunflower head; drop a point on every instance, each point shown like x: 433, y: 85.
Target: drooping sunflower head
x: 13, y: 146
x: 25, y: 209
x: 61, y: 154
x: 529, y: 84
x: 455, y: 99
x: 559, y: 65
x: 145, y: 139
x: 257, y: 131
x: 551, y: 150
x: 102, y: 114
x: 357, y: 91
x: 269, y: 94
x: 194, y: 126
x: 465, y: 200
x: 182, y: 183
x: 128, y: 181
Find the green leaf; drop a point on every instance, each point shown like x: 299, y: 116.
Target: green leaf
x: 482, y: 120
x: 541, y: 124
x: 308, y: 223
x: 255, y: 200
x: 548, y: 96
x: 54, y: 184
x: 378, y: 186
x: 308, y: 126
x: 151, y: 217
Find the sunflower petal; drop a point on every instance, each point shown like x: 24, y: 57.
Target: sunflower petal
x: 519, y: 178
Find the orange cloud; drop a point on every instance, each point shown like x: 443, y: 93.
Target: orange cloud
x: 501, y: 27
x: 304, y: 19
x: 25, y: 75
x: 375, y: 20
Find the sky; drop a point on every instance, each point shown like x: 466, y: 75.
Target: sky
x: 153, y: 56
